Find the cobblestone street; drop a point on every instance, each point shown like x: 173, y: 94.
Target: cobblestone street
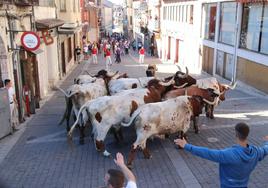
x: 43, y: 157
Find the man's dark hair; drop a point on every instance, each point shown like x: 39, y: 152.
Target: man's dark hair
x: 116, y: 179
x: 242, y: 131
x: 7, y: 81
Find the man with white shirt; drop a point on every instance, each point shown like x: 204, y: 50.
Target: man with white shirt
x: 115, y: 178
x: 12, y: 102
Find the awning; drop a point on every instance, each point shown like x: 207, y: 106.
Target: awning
x: 251, y: 1
x: 48, y: 23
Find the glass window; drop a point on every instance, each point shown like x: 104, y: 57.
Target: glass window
x: 227, y: 23
x: 191, y: 14
x: 251, y: 26
x: 209, y: 14
x: 176, y: 13
x: 182, y: 13
x: 62, y: 5
x: 254, y: 29
x: 264, y: 36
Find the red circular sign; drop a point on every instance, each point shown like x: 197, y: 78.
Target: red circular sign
x: 30, y: 41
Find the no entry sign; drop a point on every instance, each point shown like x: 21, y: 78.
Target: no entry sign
x: 30, y: 41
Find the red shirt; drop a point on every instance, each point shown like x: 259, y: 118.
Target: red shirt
x: 108, y: 53
x: 94, y: 51
x: 142, y: 51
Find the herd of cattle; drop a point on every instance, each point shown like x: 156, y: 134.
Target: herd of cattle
x: 155, y: 106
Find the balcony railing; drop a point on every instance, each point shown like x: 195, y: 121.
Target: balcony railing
x: 20, y: 2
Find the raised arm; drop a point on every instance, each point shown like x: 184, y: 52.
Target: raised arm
x: 263, y: 151
x: 219, y: 156
x: 120, y: 162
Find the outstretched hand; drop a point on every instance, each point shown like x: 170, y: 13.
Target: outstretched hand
x: 265, y: 138
x: 119, y: 160
x: 180, y: 142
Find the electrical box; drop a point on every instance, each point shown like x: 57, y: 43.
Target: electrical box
x: 5, y: 127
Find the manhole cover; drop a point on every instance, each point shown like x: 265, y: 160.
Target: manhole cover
x: 213, y: 139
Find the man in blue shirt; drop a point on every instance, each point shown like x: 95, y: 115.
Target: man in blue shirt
x: 235, y: 163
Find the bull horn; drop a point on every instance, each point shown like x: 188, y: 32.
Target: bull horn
x: 179, y: 67
x: 186, y: 74
x: 209, y: 102
x: 112, y: 74
x: 89, y: 73
x: 167, y: 83
x: 181, y: 86
x: 67, y: 95
x: 232, y: 86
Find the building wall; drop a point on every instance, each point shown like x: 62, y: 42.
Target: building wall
x: 232, y: 60
x: 177, y: 25
x: 253, y: 74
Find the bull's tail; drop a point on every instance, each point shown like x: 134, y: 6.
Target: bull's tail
x: 65, y: 112
x: 67, y: 95
x: 77, y: 118
x: 132, y: 119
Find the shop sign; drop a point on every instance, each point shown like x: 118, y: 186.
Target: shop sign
x: 30, y: 41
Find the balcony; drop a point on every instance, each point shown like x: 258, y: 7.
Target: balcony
x: 25, y: 2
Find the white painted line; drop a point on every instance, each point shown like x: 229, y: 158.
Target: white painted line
x: 241, y: 98
x: 253, y: 124
x: 186, y: 175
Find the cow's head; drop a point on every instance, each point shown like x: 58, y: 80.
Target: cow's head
x: 223, y: 88
x: 157, y: 89
x: 150, y: 72
x: 198, y: 103
x: 182, y: 78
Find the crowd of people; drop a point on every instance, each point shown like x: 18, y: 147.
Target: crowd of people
x: 115, y: 44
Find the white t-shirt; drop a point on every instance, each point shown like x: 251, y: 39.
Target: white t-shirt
x: 131, y: 184
x: 11, y: 93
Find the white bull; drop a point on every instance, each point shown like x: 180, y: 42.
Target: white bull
x: 160, y: 118
x: 105, y: 112
x: 116, y: 86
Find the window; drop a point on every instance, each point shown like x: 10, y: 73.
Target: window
x: 74, y: 5
x: 164, y: 13
x: 191, y: 14
x: 62, y: 5
x: 227, y: 23
x: 179, y: 13
x: 264, y: 36
x: 130, y: 20
x: 176, y: 13
x: 46, y: 3
x: 209, y: 13
x: 182, y: 13
x: 254, y: 31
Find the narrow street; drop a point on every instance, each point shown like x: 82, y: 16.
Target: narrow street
x: 43, y: 157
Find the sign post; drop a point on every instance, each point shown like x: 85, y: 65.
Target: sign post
x: 30, y: 41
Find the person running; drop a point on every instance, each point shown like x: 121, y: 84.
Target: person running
x: 235, y: 163
x: 115, y: 178
x: 118, y: 55
x: 152, y: 49
x: 141, y: 52
x: 108, y: 58
x: 78, y: 54
x: 94, y: 54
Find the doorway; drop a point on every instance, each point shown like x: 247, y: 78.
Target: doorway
x: 63, y: 63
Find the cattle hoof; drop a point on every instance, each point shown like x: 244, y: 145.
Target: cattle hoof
x: 211, y: 117
x: 196, y: 131
x: 68, y: 129
x: 207, y: 115
x: 69, y: 135
x: 106, y: 154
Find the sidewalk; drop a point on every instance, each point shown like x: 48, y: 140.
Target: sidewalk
x: 42, y: 156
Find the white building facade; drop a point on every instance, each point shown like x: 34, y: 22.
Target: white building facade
x: 180, y: 26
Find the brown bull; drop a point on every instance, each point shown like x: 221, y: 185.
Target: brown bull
x: 207, y: 94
